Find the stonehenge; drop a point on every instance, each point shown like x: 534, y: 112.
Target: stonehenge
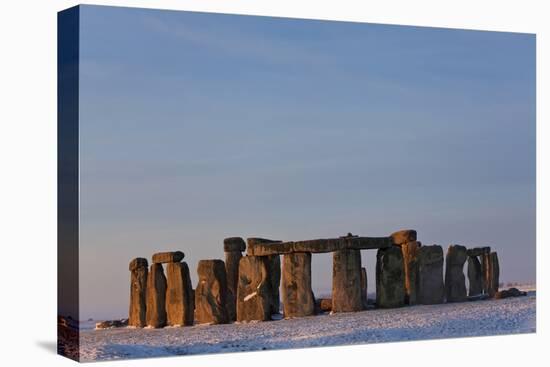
x: 211, y: 293
x: 138, y: 287
x: 455, y: 282
x: 246, y: 288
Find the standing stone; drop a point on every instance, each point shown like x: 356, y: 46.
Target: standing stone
x: 474, y: 276
x: 364, y: 299
x: 455, y: 282
x: 298, y: 297
x: 253, y: 291
x: 410, y: 264
x: 346, y: 281
x: 233, y: 247
x: 486, y: 273
x: 495, y: 274
x: 390, y: 278
x: 179, y: 295
x: 156, y: 297
x: 138, y: 292
x: 211, y: 293
x: 274, y: 275
x: 232, y: 269
x: 430, y: 287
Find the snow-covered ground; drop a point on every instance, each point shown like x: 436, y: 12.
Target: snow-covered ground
x: 479, y: 318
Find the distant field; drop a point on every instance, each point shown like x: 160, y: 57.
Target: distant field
x: 480, y: 318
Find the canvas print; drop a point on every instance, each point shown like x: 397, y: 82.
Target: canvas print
x: 233, y: 183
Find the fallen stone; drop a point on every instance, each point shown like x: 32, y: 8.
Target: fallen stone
x: 474, y: 277
x: 168, y: 257
x: 478, y: 251
x: 324, y: 304
x: 211, y: 293
x: 364, y: 299
x: 156, y: 297
x: 111, y: 324
x: 431, y: 289
x: 138, y: 291
x: 390, y: 278
x: 298, y: 299
x: 254, y: 291
x: 232, y: 259
x: 512, y: 292
x: 234, y: 244
x: 455, y: 281
x: 179, y: 295
x: 346, y: 281
x: 409, y: 251
x: 403, y: 236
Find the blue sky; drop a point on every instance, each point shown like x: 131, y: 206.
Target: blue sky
x: 195, y: 127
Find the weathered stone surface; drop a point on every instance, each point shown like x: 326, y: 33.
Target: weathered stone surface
x: 156, y: 297
x: 410, y: 265
x: 512, y: 292
x: 274, y: 275
x: 111, y: 324
x: 346, y: 281
x: 138, y: 292
x: 403, y: 236
x: 430, y: 287
x: 232, y: 259
x: 211, y: 293
x: 254, y: 291
x: 258, y: 248
x: 168, y: 257
x: 325, y: 304
x: 494, y: 273
x: 273, y: 268
x: 234, y: 244
x: 138, y: 262
x: 390, y: 278
x: 179, y: 301
x: 364, y: 288
x: 455, y: 282
x: 298, y: 297
x: 474, y: 277
x: 478, y: 251
x: 486, y: 273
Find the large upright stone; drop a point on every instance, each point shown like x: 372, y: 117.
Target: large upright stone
x: 410, y: 265
x: 138, y: 292
x: 232, y: 259
x: 273, y: 269
x: 455, y: 282
x: 156, y: 297
x: 211, y: 293
x: 403, y: 236
x: 346, y: 281
x: 390, y: 278
x: 298, y: 297
x: 430, y: 287
x: 486, y: 273
x: 364, y: 288
x: 168, y: 257
x: 254, y: 290
x: 179, y: 295
x: 474, y: 276
x: 494, y: 274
